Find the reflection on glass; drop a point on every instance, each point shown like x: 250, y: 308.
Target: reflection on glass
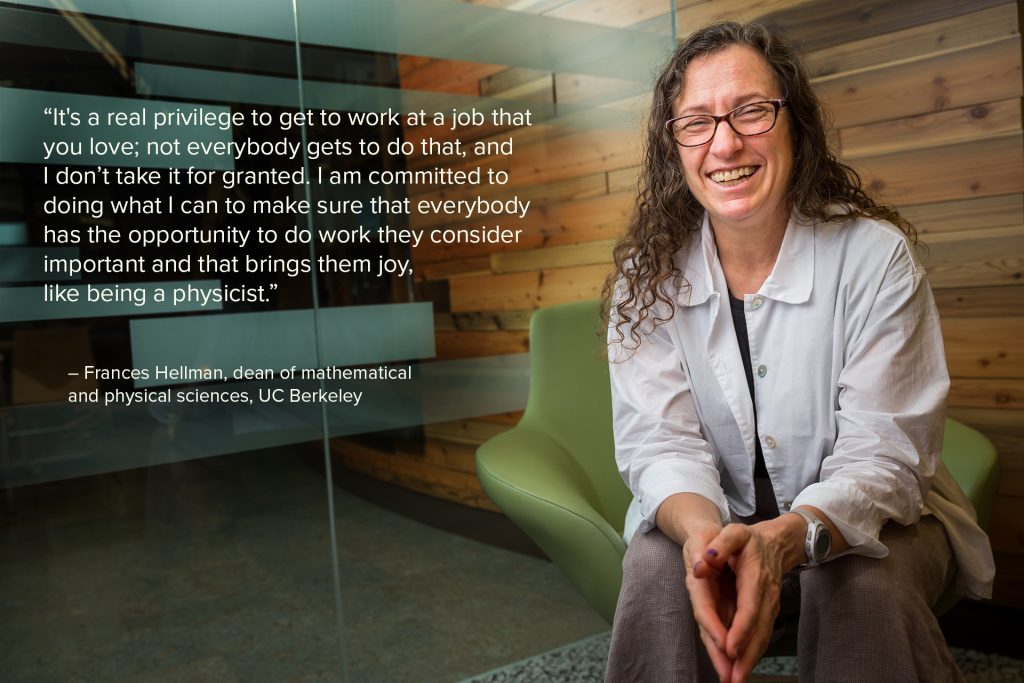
x: 173, y: 540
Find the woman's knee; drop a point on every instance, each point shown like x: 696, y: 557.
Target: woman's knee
x: 913, y: 574
x: 653, y: 554
x: 653, y: 578
x: 855, y: 579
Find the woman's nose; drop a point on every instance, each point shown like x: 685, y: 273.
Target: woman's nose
x: 726, y: 141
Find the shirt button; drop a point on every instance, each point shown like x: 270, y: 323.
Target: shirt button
x: 757, y: 302
x: 769, y: 441
x: 762, y: 370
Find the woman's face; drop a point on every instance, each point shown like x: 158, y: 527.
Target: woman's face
x: 717, y: 84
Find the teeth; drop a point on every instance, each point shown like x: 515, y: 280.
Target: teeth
x: 734, y: 174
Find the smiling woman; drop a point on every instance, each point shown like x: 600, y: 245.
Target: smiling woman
x: 778, y: 389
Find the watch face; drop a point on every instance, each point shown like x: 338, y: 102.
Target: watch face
x: 822, y: 544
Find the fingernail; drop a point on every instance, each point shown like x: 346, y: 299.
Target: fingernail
x: 711, y: 552
x: 697, y: 566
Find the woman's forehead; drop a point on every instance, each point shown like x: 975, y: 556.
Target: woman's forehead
x: 732, y: 73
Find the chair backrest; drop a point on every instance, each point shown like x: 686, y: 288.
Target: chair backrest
x: 570, y: 397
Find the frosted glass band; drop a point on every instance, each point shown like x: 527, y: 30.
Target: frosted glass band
x: 350, y: 335
x: 102, y: 439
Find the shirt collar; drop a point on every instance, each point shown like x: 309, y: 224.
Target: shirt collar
x: 791, y: 279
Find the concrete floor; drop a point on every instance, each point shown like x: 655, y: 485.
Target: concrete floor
x: 219, y: 570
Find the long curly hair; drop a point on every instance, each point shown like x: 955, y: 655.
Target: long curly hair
x: 667, y: 216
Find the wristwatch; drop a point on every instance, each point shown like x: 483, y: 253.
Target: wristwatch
x: 818, y: 542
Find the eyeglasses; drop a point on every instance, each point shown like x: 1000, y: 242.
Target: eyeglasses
x: 755, y: 118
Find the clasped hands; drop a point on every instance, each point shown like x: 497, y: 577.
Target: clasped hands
x: 734, y: 577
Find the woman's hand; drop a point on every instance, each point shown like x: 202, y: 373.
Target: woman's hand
x: 752, y: 559
x: 712, y: 597
x: 757, y: 566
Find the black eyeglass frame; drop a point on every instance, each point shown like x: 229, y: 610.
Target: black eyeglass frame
x: 776, y: 103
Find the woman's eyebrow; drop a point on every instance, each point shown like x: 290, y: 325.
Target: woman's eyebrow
x: 737, y: 102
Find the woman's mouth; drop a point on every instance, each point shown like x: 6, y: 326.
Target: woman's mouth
x: 734, y: 176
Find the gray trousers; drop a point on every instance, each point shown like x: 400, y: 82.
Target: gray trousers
x: 860, y: 619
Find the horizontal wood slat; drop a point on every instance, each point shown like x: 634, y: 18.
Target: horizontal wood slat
x: 988, y: 72
x: 444, y: 270
x: 817, y: 25
x: 444, y: 75
x: 847, y: 54
x: 524, y: 85
x: 980, y: 302
x: 513, y: 291
x: 995, y: 119
x: 689, y: 19
x: 623, y: 179
x: 986, y: 393
x: 588, y: 253
x: 981, y: 168
x: 483, y: 322
x: 965, y: 214
x: 501, y: 83
x: 473, y: 432
x: 475, y: 344
x: 984, y: 347
x: 975, y: 261
x: 988, y: 420
x: 579, y: 90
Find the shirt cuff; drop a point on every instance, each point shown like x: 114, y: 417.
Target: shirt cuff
x: 668, y: 477
x: 852, y: 513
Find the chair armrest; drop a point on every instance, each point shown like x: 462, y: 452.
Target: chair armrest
x: 536, y: 482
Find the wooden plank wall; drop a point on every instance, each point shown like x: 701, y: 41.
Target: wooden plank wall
x: 926, y: 96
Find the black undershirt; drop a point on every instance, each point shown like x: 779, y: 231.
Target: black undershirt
x: 762, y: 489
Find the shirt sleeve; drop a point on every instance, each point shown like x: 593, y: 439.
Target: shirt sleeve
x: 659, y: 448
x: 892, y: 396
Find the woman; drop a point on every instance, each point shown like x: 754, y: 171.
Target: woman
x: 779, y: 387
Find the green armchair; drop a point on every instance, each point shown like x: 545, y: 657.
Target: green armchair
x: 554, y: 474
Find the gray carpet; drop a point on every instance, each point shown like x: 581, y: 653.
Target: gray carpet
x: 219, y: 571
x: 583, y: 662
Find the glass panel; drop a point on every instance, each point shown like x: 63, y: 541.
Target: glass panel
x: 161, y: 521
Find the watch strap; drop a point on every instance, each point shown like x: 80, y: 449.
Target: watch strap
x: 814, y: 527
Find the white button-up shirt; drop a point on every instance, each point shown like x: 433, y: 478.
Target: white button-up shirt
x: 850, y: 386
